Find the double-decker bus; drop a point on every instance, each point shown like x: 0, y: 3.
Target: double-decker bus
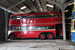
x: 35, y: 25
x: 73, y: 27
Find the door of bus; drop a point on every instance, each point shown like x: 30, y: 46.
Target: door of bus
x: 59, y: 30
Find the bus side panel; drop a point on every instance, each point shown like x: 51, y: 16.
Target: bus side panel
x: 44, y: 20
x: 37, y: 20
x: 32, y: 34
x: 47, y: 31
x: 73, y: 36
x: 18, y: 34
x: 30, y: 21
x: 35, y: 34
x: 12, y: 22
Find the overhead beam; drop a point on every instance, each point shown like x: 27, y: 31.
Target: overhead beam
x: 43, y: 5
x: 66, y: 4
x: 39, y: 7
x: 9, y: 1
x: 30, y: 5
x: 2, y: 5
x: 15, y: 4
x: 8, y: 10
x: 58, y: 4
x: 37, y: 4
x: 26, y: 10
x: 63, y: 1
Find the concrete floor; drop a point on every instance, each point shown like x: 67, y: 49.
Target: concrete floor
x: 37, y: 44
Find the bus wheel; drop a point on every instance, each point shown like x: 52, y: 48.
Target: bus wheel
x: 42, y: 36
x: 12, y: 36
x: 50, y: 36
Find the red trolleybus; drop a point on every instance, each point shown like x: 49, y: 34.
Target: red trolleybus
x: 35, y: 25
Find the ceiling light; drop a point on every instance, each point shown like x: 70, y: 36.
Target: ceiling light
x: 23, y: 7
x: 66, y: 11
x: 71, y: 3
x: 49, y: 5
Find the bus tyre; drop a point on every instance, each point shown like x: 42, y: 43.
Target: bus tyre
x: 50, y: 36
x: 12, y: 36
x: 42, y: 36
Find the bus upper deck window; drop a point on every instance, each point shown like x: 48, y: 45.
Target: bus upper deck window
x: 37, y: 16
x: 44, y: 16
x: 31, y: 16
x: 10, y: 28
x: 19, y: 17
x: 12, y: 18
x: 50, y: 15
x: 24, y: 17
x: 56, y: 15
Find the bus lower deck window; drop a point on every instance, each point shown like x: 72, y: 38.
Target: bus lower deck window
x: 31, y: 28
x: 50, y: 27
x: 10, y: 27
x: 44, y: 27
x: 13, y: 27
x: 37, y: 27
x: 18, y: 28
x: 23, y: 28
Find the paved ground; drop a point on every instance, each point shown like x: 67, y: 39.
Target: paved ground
x: 37, y: 44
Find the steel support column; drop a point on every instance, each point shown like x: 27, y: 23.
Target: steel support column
x: 63, y: 23
x: 9, y: 8
x: 61, y: 6
x: 6, y: 25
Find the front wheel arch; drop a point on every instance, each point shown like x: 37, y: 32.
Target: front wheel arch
x: 13, y: 35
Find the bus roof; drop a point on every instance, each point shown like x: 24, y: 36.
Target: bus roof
x: 36, y: 13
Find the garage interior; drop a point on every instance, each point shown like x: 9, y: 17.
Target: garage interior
x: 8, y: 7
